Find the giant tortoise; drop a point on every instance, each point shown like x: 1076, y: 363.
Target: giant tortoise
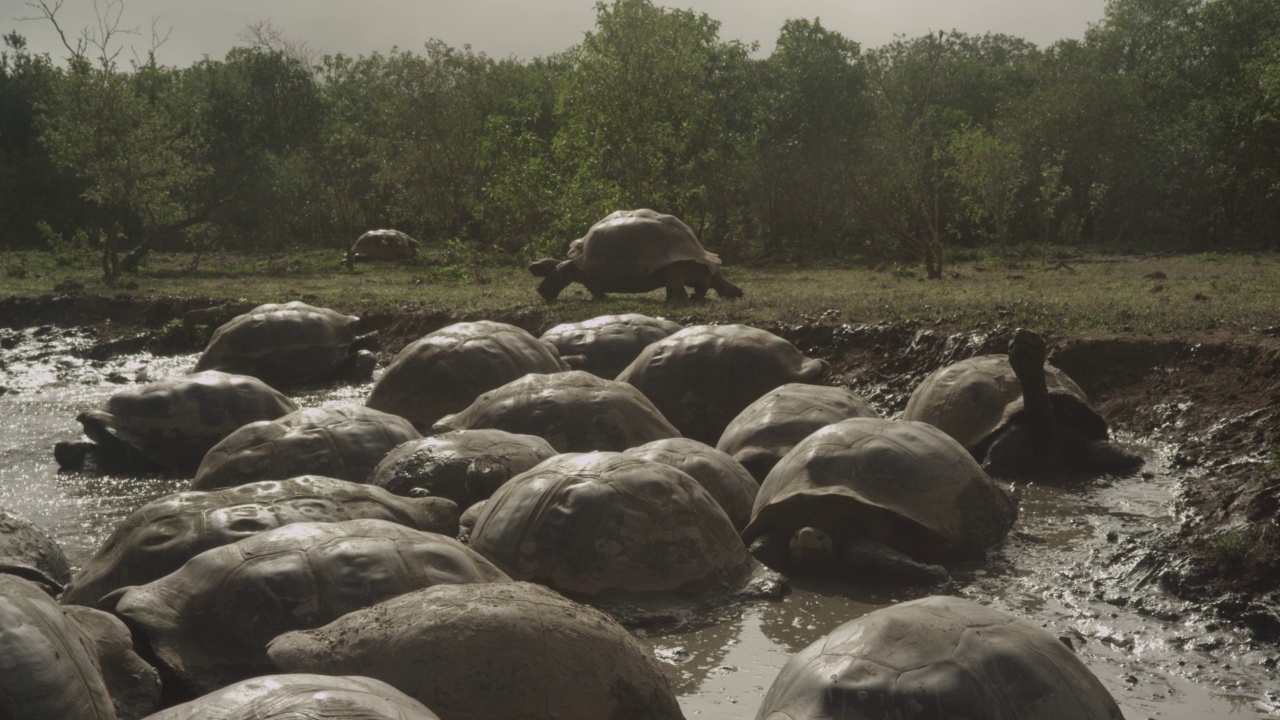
x: 444, y: 371
x: 867, y: 498
x: 159, y: 537
x: 344, y: 441
x: 289, y: 344
x: 388, y: 245
x: 210, y: 621
x: 1014, y: 413
x: 299, y: 696
x: 722, y: 476
x: 610, y: 342
x: 170, y: 424
x: 497, y: 651
x: 937, y: 658
x: 635, y: 251
x: 701, y: 377
x: 26, y: 551
x: 134, y: 685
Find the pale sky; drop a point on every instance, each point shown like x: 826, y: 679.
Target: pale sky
x: 531, y: 28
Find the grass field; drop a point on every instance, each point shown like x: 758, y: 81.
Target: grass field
x: 1177, y: 293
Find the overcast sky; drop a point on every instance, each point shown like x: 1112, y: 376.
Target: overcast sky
x: 530, y: 28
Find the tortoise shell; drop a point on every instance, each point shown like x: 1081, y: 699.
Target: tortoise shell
x: 134, y: 685
x: 722, y: 476
x: 636, y: 243
x: 301, y: 695
x: 282, y: 344
x: 26, y: 551
x: 609, y: 342
x: 389, y: 245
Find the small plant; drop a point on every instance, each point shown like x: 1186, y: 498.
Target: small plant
x: 16, y: 267
x: 68, y: 251
x: 1231, y: 548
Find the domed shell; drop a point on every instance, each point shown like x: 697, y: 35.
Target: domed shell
x: 26, y: 551
x: 46, y: 670
x: 574, y: 411
x: 967, y: 400
x: 609, y: 342
x: 905, y: 484
x: 934, y: 659
x: 132, y: 683
x: 514, y: 651
x: 703, y: 376
x: 608, y: 523
x: 175, y: 421
x: 722, y: 476
x: 282, y: 344
x: 301, y: 695
x: 345, y: 442
x: 159, y: 537
x: 633, y: 243
x: 768, y: 428
x: 444, y: 371
x: 210, y: 621
x: 465, y: 466
x: 390, y: 245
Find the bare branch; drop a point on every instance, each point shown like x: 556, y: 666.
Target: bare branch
x: 264, y: 35
x: 51, y: 14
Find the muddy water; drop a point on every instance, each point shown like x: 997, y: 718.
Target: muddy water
x: 1074, y: 563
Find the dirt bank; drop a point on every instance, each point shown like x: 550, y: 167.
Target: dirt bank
x: 1212, y: 399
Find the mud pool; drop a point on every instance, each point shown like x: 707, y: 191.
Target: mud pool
x: 1074, y: 563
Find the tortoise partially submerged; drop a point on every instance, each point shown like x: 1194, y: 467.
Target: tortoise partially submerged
x: 161, y: 536
x: 701, y: 377
x: 722, y: 476
x: 301, y: 695
x: 387, y: 245
x: 290, y: 344
x: 170, y: 424
x: 867, y: 498
x: 210, y: 621
x: 767, y: 429
x: 937, y: 658
x: 27, y: 552
x: 344, y: 441
x: 635, y: 251
x: 464, y: 466
x: 446, y: 370
x: 1015, y: 414
x: 574, y: 411
x: 497, y: 651
x: 610, y: 342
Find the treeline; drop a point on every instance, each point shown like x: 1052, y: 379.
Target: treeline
x: 1159, y: 129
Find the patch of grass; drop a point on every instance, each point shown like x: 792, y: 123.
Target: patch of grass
x: 1253, y: 549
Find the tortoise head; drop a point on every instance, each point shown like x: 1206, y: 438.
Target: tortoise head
x: 543, y: 267
x: 812, y: 549
x: 1027, y: 356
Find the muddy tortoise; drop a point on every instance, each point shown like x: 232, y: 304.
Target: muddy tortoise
x: 445, y: 371
x: 170, y: 424
x: 298, y: 696
x: 937, y: 658
x: 290, y: 344
x: 768, y: 428
x: 386, y: 245
x: 635, y: 251
x: 701, y: 377
x: 465, y: 466
x: 496, y: 651
x: 573, y: 411
x: 610, y: 342
x: 1016, y: 414
x: 159, y: 537
x: 132, y: 683
x: 865, y: 499
x: 26, y: 551
x: 210, y: 621
x: 610, y: 525
x: 343, y: 441
x: 722, y: 476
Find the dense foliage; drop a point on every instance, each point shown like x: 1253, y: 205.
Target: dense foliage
x: 1158, y: 129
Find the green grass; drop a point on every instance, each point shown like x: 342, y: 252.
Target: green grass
x: 1085, y: 294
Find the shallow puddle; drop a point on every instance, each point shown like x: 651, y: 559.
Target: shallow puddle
x: 1072, y: 565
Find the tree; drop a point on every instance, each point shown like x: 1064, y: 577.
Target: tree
x: 989, y: 176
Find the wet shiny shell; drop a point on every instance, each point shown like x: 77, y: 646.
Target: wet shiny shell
x: 446, y: 370
x: 935, y: 659
x: 606, y: 523
x: 301, y: 695
x: 722, y: 476
x: 464, y: 466
x: 175, y: 421
x: 703, y: 376
x: 282, y: 344
x: 609, y: 342
x: 905, y: 484
x: 159, y: 537
x: 968, y: 400
x: 133, y: 684
x: 768, y: 428
x: 501, y: 651
x: 628, y: 244
x: 574, y: 411
x: 46, y: 669
x: 345, y: 442
x: 26, y: 551
x: 210, y: 621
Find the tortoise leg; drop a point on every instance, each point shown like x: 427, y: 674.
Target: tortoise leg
x: 868, y: 557
x: 676, y: 293
x: 558, y: 279
x: 1027, y: 356
x: 770, y: 549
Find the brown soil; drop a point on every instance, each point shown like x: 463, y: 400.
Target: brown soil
x: 1212, y: 399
